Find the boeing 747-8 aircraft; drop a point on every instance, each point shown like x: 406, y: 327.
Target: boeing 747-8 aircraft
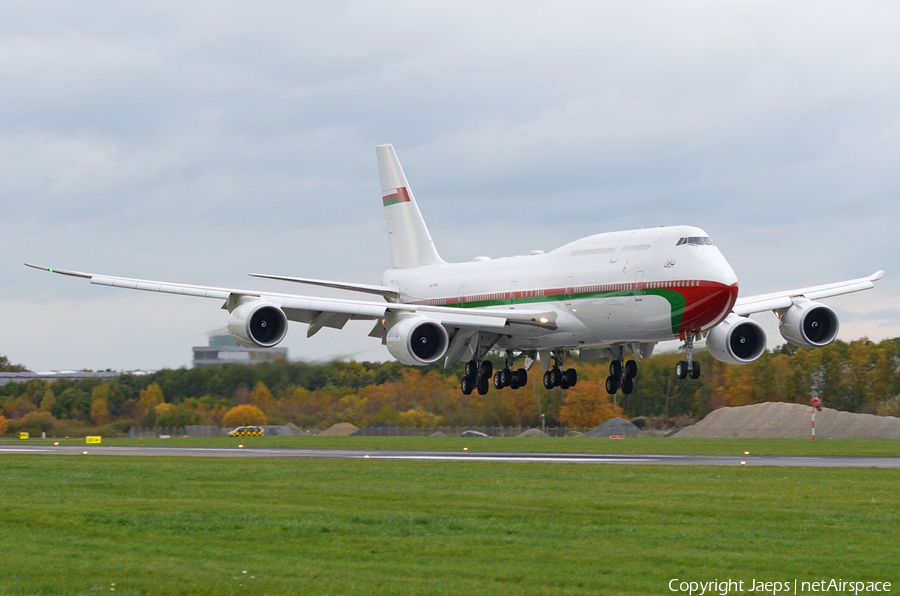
x: 604, y: 296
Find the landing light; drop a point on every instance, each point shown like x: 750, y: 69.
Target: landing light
x: 545, y: 320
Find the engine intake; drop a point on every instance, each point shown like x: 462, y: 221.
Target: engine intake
x: 417, y: 340
x: 736, y: 340
x: 809, y: 324
x: 257, y: 324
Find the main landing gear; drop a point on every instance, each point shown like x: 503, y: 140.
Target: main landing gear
x: 557, y: 377
x: 621, y: 375
x: 688, y: 367
x: 509, y: 377
x: 478, y: 376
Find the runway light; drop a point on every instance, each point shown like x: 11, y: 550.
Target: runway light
x: 240, y: 446
x: 465, y: 448
x: 84, y: 453
x: 746, y: 453
x: 56, y: 443
x: 743, y: 463
x: 367, y: 456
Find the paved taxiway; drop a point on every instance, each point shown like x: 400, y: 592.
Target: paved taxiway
x: 814, y: 461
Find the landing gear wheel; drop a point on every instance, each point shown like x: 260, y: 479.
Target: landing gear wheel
x: 681, y: 370
x: 615, y: 368
x: 548, y: 380
x: 498, y: 380
x: 486, y: 369
x: 631, y: 369
x: 612, y: 385
x: 513, y: 383
x: 467, y: 385
x: 483, y: 386
x: 571, y: 377
x: 695, y: 370
x: 471, y: 369
x: 556, y: 377
x: 504, y: 377
x: 628, y: 386
x: 521, y: 377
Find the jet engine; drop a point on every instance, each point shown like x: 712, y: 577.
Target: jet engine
x: 809, y: 324
x: 257, y: 324
x: 417, y: 340
x: 736, y: 340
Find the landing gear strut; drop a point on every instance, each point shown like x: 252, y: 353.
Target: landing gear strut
x: 689, y: 366
x: 556, y: 376
x: 621, y: 374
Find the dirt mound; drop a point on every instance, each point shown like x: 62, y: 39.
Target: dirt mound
x: 774, y: 420
x: 533, y: 432
x: 615, y: 427
x: 341, y: 429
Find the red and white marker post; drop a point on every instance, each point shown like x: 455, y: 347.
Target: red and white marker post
x: 816, y: 404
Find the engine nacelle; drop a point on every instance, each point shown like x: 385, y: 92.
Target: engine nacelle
x: 417, y: 340
x: 809, y: 324
x: 257, y: 324
x: 736, y: 340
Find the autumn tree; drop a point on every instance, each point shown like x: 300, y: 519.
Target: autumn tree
x: 47, y: 401
x: 3, y: 425
x: 587, y: 404
x: 260, y: 396
x: 99, y: 412
x: 243, y: 415
x: 5, y: 366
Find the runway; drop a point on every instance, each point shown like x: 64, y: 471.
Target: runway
x: 480, y: 456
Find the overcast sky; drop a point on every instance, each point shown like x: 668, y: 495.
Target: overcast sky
x: 199, y: 141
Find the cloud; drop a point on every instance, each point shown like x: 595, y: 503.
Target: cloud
x: 198, y: 141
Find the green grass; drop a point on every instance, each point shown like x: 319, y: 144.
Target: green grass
x: 79, y: 524
x: 857, y: 447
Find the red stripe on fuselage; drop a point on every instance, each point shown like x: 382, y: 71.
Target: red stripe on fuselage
x: 706, y: 306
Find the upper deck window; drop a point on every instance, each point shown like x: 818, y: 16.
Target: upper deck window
x: 695, y: 241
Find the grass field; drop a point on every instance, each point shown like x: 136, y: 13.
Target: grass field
x: 77, y: 525
x: 859, y: 447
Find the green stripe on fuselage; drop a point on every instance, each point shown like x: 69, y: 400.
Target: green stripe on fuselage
x: 676, y: 301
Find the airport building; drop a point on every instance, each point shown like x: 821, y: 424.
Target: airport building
x: 223, y: 349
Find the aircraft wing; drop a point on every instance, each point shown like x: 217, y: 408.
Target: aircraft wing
x: 321, y: 312
x: 779, y: 300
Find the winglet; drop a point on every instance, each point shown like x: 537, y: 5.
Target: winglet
x: 60, y: 271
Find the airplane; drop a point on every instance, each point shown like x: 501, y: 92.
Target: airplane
x: 606, y: 296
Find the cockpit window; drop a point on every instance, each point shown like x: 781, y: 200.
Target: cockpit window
x: 695, y: 241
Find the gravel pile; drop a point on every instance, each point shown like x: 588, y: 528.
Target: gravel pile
x: 533, y: 432
x: 615, y: 427
x: 774, y: 420
x: 341, y: 429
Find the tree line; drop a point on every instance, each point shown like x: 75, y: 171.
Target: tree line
x: 859, y: 376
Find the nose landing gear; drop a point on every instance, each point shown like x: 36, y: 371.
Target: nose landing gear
x: 689, y: 366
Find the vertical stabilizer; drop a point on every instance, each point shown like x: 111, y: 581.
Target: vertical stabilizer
x: 411, y: 244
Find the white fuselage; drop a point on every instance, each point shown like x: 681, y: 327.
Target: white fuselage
x: 634, y: 286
